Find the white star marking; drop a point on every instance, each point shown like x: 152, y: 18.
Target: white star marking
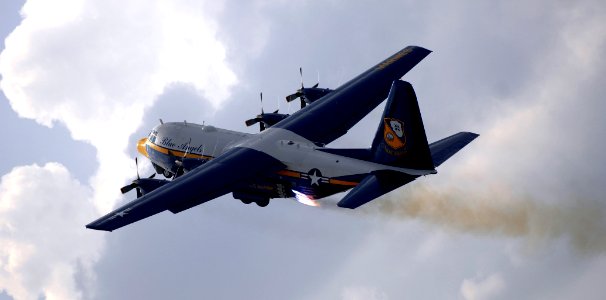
x: 122, y: 213
x: 315, y: 179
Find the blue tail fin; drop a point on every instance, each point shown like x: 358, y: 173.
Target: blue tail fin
x: 400, y: 140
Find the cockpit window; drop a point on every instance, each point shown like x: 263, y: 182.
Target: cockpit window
x: 152, y: 136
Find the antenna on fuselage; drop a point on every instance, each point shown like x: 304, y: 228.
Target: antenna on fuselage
x: 161, y: 122
x: 261, y: 96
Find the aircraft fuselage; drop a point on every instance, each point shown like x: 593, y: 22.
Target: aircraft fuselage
x: 310, y: 173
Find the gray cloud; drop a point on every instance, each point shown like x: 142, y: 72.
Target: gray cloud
x: 487, y: 288
x: 527, y: 76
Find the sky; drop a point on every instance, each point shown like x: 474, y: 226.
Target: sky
x: 518, y: 214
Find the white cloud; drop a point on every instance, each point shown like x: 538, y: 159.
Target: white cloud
x: 478, y: 289
x: 43, y: 210
x: 96, y: 66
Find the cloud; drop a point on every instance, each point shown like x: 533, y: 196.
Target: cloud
x: 478, y: 289
x: 96, y: 67
x: 362, y: 292
x: 43, y: 242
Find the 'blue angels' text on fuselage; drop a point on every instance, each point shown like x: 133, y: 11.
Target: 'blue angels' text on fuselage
x: 288, y: 158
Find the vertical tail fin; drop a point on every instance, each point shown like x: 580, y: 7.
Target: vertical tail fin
x: 400, y: 140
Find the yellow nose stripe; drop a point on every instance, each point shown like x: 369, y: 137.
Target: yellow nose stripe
x: 141, y: 147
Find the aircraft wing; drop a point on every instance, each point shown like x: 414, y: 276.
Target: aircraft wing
x: 213, y: 179
x: 326, y: 120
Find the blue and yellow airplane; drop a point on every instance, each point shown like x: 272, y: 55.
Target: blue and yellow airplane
x: 289, y: 158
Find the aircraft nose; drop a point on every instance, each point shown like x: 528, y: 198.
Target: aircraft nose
x: 141, y: 147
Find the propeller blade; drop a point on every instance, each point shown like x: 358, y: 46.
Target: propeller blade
x: 261, y: 126
x: 137, y: 166
x: 303, y: 103
x: 139, y: 193
x: 127, y: 188
x: 294, y: 96
x: 261, y: 94
x: 301, y: 72
x: 251, y: 122
x: 318, y: 78
x: 186, y: 149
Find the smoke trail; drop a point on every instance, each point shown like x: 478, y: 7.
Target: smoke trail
x: 497, y: 211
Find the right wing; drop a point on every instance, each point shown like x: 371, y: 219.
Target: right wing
x: 213, y: 179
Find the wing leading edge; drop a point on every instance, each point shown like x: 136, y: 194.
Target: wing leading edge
x: 213, y: 179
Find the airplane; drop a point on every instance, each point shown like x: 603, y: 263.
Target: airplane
x: 290, y: 159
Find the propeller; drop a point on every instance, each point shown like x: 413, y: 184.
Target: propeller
x: 135, y: 184
x: 300, y: 93
x: 258, y: 118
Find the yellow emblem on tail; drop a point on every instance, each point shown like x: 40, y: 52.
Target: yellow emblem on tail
x: 394, y: 133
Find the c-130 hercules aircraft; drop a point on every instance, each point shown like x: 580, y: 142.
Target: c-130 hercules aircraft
x: 289, y: 157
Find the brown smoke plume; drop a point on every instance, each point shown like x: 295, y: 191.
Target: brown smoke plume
x: 499, y: 212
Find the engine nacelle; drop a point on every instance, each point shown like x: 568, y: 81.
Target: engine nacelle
x: 146, y: 185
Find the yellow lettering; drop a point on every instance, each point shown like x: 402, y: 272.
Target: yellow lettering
x: 393, y: 59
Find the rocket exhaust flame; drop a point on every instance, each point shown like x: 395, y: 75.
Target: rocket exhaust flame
x: 304, y: 199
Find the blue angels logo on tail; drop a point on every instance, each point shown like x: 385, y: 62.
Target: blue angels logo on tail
x: 393, y: 133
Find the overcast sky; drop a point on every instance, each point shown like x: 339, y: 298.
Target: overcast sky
x: 518, y: 214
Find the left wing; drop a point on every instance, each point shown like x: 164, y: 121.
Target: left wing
x: 325, y: 120
x: 213, y: 179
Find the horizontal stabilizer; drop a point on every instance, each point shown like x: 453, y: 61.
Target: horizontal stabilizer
x: 447, y: 147
x: 376, y: 184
